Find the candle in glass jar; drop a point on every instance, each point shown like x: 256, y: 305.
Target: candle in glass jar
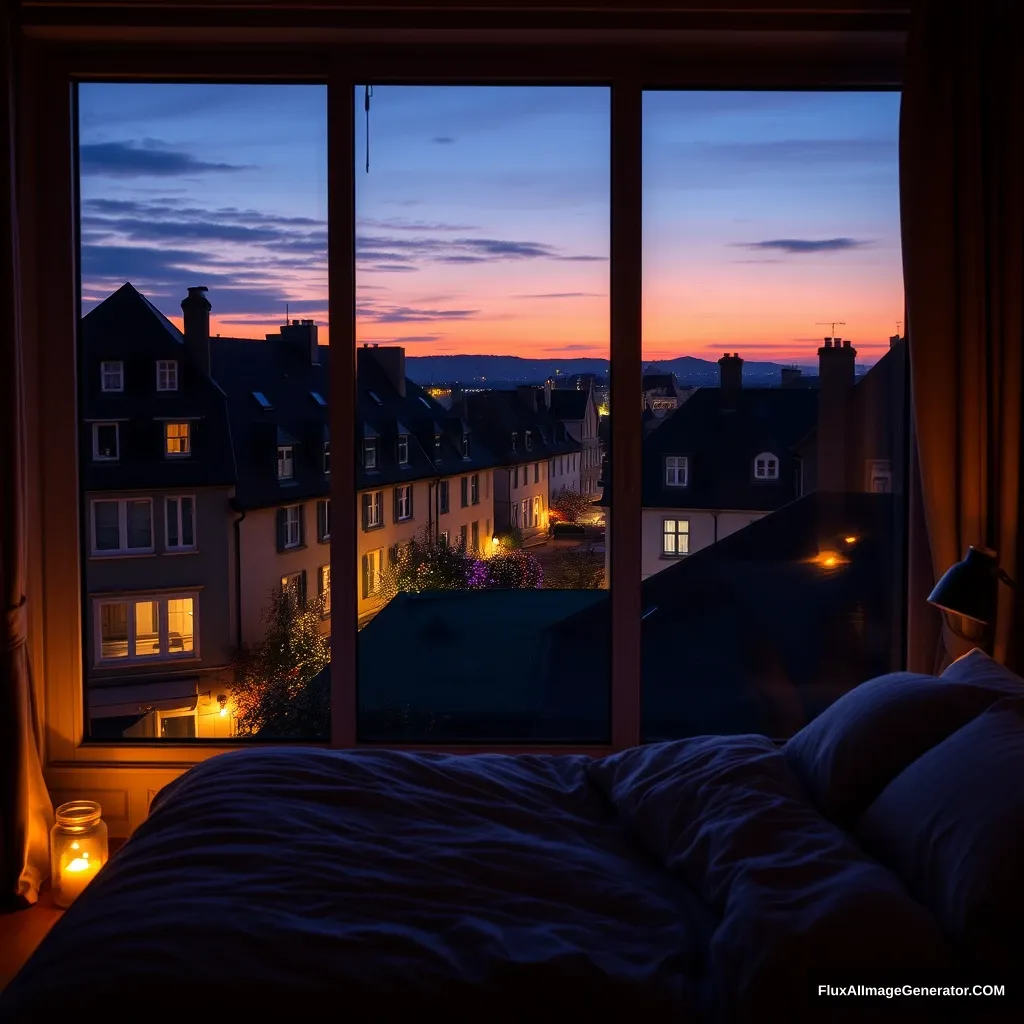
x: 76, y: 874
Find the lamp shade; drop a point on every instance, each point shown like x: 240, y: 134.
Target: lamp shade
x: 968, y: 588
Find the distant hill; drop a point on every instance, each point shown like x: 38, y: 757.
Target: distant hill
x: 689, y: 370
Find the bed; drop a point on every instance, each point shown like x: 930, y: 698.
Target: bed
x: 710, y: 878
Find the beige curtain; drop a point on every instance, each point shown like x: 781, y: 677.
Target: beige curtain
x: 25, y: 813
x: 962, y: 202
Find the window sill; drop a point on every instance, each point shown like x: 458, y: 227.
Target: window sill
x: 374, y: 528
x: 404, y: 519
x: 180, y: 551
x: 106, y: 556
x: 324, y: 540
x: 134, y: 663
x: 291, y: 547
x: 673, y: 558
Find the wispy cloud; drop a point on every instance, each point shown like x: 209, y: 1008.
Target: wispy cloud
x: 403, y: 224
x: 415, y: 339
x: 803, y: 246
x: 411, y: 315
x: 561, y: 295
x: 148, y: 158
x: 443, y: 140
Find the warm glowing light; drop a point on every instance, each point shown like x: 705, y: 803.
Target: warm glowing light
x: 495, y: 542
x: 830, y: 561
x: 75, y: 876
x: 223, y: 712
x: 851, y: 539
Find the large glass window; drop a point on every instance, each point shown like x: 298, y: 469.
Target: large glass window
x: 482, y: 293
x: 772, y: 391
x: 203, y: 391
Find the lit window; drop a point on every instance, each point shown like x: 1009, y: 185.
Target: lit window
x: 180, y: 526
x: 676, y: 533
x: 372, y: 563
x: 293, y: 587
x: 122, y: 527
x: 105, y: 442
x: 177, y: 440
x: 324, y: 589
x: 167, y: 375
x: 112, y: 375
x: 369, y: 453
x: 373, y: 510
x: 285, y: 463
x: 766, y: 467
x: 403, y: 449
x: 146, y: 628
x: 676, y: 470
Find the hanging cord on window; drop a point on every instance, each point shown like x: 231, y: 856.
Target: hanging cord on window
x: 367, y: 95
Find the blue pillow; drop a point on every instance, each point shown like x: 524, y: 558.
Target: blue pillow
x: 848, y: 754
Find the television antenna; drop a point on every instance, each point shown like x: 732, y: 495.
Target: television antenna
x: 899, y: 324
x: 833, y: 323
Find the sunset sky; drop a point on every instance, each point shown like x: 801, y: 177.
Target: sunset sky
x: 483, y: 221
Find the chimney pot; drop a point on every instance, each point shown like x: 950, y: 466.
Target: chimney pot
x: 195, y: 309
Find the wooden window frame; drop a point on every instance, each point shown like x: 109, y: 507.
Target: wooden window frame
x: 809, y: 46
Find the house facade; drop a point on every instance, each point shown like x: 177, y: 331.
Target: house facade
x: 576, y: 408
x: 158, y: 477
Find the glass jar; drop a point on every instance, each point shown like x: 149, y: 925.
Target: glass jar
x: 78, y: 849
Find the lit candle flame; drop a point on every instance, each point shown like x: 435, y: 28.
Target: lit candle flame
x: 79, y: 864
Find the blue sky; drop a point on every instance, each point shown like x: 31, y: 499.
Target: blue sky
x: 483, y: 223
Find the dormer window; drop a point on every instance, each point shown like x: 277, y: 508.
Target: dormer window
x: 465, y: 446
x: 403, y: 449
x: 167, y: 375
x: 285, y: 462
x: 370, y: 453
x: 262, y: 400
x: 177, y: 440
x: 515, y: 440
x: 529, y: 440
x: 112, y: 375
x: 677, y: 470
x: 437, y: 447
x: 766, y: 467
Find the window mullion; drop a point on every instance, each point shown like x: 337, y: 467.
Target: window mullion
x: 626, y: 290
x: 341, y: 304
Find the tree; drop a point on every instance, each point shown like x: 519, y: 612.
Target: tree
x: 513, y: 570
x: 575, y: 569
x: 430, y: 563
x: 569, y: 505
x: 280, y: 689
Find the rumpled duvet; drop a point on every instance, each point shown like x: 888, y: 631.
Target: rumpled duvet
x: 689, y: 880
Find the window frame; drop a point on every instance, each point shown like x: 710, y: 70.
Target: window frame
x: 131, y: 598
x: 122, y: 550
x: 104, y: 364
x: 675, y: 533
x: 771, y: 461
x: 285, y: 457
x: 327, y: 458
x: 179, y: 548
x: 402, y: 443
x: 96, y: 457
x: 186, y: 437
x: 403, y: 503
x: 287, y: 543
x: 168, y: 367
x: 370, y: 454
x: 684, y: 466
x: 745, y: 54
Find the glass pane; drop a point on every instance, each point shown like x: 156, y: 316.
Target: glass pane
x: 482, y: 291
x: 180, y: 630
x: 108, y: 531
x: 139, y: 520
x: 147, y: 628
x: 113, y: 631
x: 210, y: 201
x: 773, y: 382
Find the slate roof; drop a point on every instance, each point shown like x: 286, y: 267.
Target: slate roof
x: 127, y: 327
x: 721, y: 443
x: 288, y: 379
x: 495, y: 415
x: 658, y: 381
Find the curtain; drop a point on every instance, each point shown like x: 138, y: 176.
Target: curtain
x: 962, y: 212
x: 25, y: 812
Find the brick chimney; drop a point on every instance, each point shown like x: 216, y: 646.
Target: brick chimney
x: 302, y: 336
x: 547, y: 394
x: 390, y: 359
x: 195, y: 309
x: 836, y: 368
x: 731, y: 378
